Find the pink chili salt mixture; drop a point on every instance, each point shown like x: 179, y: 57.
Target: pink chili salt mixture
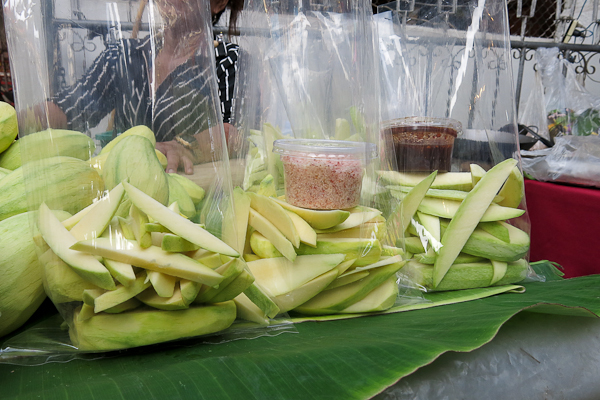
x: 322, y: 183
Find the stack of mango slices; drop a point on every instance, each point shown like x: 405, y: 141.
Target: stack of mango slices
x: 455, y: 226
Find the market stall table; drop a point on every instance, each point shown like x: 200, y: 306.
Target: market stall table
x: 565, y: 222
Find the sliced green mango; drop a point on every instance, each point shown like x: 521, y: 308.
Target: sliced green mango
x: 267, y: 186
x: 86, y: 312
x: 477, y: 172
x: 230, y: 271
x: 400, y: 191
x: 257, y: 295
x: 175, y: 302
x: 152, y: 258
x: 495, y: 229
x: 263, y: 247
x: 513, y: 189
x: 233, y: 289
x: 399, y: 221
x: 176, y: 244
x: 189, y: 290
x: 276, y: 215
x: 482, y: 244
x: 379, y: 299
x: 163, y: 284
x: 499, y: 268
x: 431, y: 223
x: 122, y: 272
x: 279, y: 275
x: 468, y: 215
x: 448, y: 209
x: 195, y: 192
x: 306, y: 232
x: 335, y: 300
x: 138, y: 225
x: 391, y: 251
x: 462, y: 258
x: 93, y: 224
x: 272, y: 234
x: 365, y: 251
x: 177, y: 193
x: 155, y: 227
x: 412, y: 244
x: 60, y: 241
x: 128, y: 305
x: 176, y: 223
x: 346, y: 279
x: 121, y: 294
x: 63, y: 284
x: 302, y: 294
x: 465, y: 276
x: 249, y: 311
x: 354, y: 220
x: 447, y: 180
x: 318, y: 219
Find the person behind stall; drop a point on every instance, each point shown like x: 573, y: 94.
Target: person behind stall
x: 169, y: 94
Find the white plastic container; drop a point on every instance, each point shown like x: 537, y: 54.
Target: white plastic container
x: 323, y: 174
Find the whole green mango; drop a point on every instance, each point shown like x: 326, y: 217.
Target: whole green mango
x: 21, y: 287
x: 48, y: 143
x: 133, y: 159
x: 63, y: 183
x: 9, y: 128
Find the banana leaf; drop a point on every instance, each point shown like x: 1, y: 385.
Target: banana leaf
x: 348, y: 359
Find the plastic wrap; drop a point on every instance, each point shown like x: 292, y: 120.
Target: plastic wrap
x: 569, y: 115
x: 451, y: 144
x: 570, y: 108
x: 573, y: 159
x: 308, y: 111
x: 534, y: 115
x: 105, y: 106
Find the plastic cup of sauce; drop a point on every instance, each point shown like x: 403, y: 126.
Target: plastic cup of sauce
x: 422, y: 144
x: 323, y: 174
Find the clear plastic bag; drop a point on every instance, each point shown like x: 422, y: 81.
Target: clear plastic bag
x: 103, y: 110
x: 451, y: 144
x: 309, y: 112
x: 534, y: 115
x: 570, y: 108
x: 571, y: 116
x: 573, y: 159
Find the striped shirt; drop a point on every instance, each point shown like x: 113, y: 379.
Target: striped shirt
x: 227, y: 57
x: 119, y: 79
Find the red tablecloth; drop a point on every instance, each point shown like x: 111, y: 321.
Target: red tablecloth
x: 565, y: 226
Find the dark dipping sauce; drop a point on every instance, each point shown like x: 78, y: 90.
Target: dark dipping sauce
x: 422, y: 148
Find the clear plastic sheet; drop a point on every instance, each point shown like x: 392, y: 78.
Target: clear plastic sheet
x: 48, y: 341
x: 308, y: 98
x: 447, y: 107
x: 567, y: 114
x: 569, y: 108
x: 534, y: 115
x: 105, y: 106
x: 573, y: 159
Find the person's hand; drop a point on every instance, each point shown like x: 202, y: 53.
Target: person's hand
x: 233, y: 140
x: 42, y: 116
x: 177, y: 156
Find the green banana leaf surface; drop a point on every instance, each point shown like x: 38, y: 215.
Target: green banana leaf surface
x: 352, y: 358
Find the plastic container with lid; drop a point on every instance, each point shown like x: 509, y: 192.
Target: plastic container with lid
x: 422, y: 144
x: 323, y: 174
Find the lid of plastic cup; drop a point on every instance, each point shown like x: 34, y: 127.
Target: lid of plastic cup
x: 325, y: 148
x: 415, y: 122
